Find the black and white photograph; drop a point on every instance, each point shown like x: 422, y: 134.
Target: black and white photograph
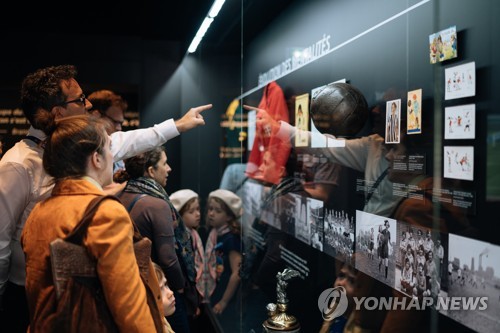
x: 474, y: 271
x: 375, y: 246
x: 270, y: 212
x: 393, y: 121
x: 288, y: 214
x: 421, y: 260
x: 252, y: 200
x: 339, y: 234
x: 302, y: 227
x: 315, y: 216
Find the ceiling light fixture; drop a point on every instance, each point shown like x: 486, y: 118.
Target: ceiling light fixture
x: 212, y: 13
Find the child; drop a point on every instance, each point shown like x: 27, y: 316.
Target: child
x: 420, y: 258
x: 421, y: 288
x: 407, y: 278
x: 223, y: 256
x: 409, y: 256
x: 187, y: 203
x: 167, y: 297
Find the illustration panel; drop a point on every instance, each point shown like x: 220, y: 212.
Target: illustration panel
x: 460, y: 81
x: 459, y: 162
x: 414, y: 112
x: 443, y: 45
x: 460, y: 122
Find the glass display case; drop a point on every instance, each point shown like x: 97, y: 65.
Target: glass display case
x: 362, y: 137
x: 380, y: 192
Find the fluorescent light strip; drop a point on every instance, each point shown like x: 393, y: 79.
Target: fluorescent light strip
x: 214, y: 10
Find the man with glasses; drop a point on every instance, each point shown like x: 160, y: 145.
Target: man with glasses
x: 52, y: 92
x: 110, y: 107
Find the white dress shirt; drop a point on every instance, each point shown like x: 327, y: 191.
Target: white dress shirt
x: 24, y: 182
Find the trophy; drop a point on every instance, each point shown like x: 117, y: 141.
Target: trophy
x: 279, y: 320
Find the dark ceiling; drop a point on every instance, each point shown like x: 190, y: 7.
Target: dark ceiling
x: 149, y: 19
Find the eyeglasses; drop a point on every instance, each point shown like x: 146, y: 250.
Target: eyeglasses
x: 115, y: 122
x: 80, y: 100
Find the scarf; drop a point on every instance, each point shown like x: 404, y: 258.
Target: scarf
x: 210, y: 271
x: 183, y: 243
x: 198, y: 260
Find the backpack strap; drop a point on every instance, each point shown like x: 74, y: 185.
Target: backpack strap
x: 79, y: 231
x: 132, y: 204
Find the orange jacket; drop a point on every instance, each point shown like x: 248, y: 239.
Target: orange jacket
x: 109, y: 240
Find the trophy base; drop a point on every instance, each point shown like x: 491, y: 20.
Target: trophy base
x: 270, y: 328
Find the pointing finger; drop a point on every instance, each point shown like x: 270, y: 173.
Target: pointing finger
x: 202, y: 108
x: 248, y: 107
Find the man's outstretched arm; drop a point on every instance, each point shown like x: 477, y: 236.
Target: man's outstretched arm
x: 130, y: 143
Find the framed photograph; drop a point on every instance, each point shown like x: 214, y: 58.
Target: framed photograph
x: 393, y: 121
x: 420, y: 252
x: 252, y: 198
x: 443, y: 45
x: 302, y: 227
x: 460, y: 122
x: 302, y: 120
x: 375, y: 246
x: 459, y: 162
x: 339, y: 234
x: 315, y: 221
x: 460, y: 81
x: 414, y: 112
x: 289, y: 213
x: 474, y: 272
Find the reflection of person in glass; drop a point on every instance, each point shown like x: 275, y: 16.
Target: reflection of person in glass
x: 370, y: 155
x: 365, y: 154
x: 270, y: 171
x: 273, y: 100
